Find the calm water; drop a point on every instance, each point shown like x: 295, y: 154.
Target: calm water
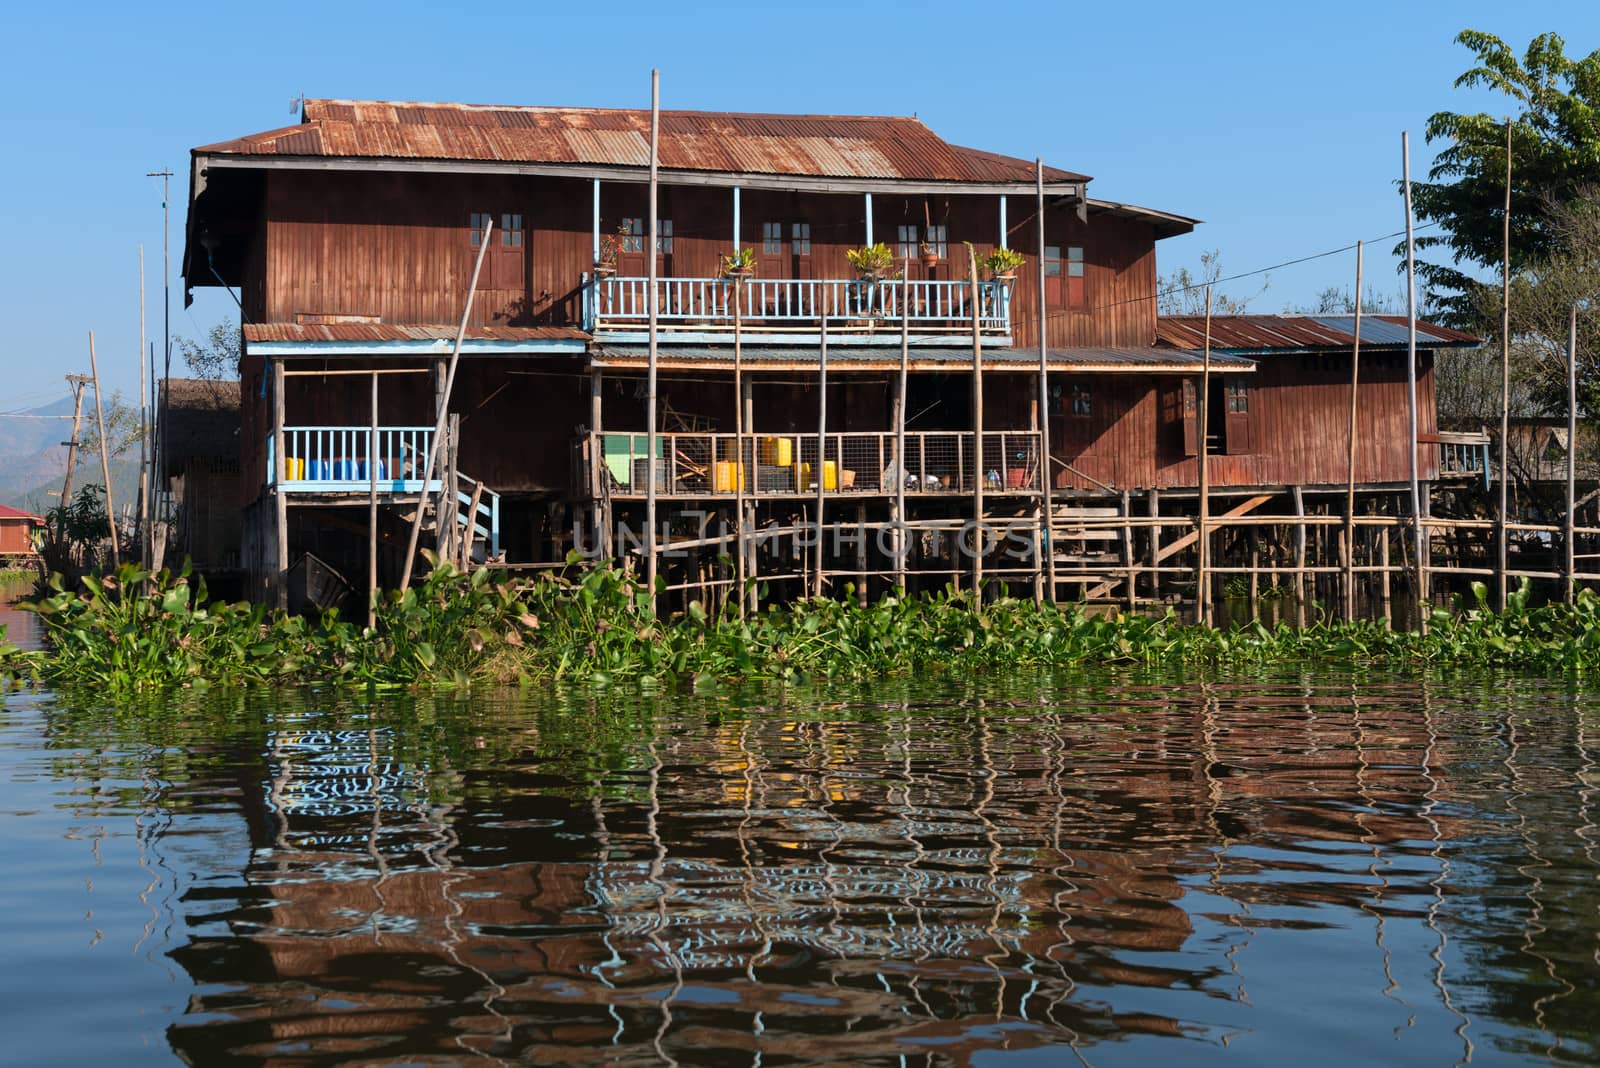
x: 1034, y: 871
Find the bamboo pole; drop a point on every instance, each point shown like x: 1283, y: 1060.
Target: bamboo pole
x: 1420, y: 589
x: 1203, y: 543
x: 1572, y: 451
x: 1155, y: 544
x: 1047, y: 506
x: 901, y: 546
x: 1299, y: 555
x: 105, y: 456
x: 752, y: 567
x: 977, y: 425
x: 652, y: 305
x: 1505, y: 381
x: 1350, y: 465
x: 441, y: 421
x: 820, y: 471
x: 144, y: 432
x: 740, y: 561
x: 372, y: 510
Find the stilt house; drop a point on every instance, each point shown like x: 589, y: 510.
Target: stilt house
x: 947, y: 416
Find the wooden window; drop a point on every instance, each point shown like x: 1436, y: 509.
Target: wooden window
x: 801, y: 234
x: 772, y: 239
x: 510, y: 230
x: 1063, y: 276
x: 664, y: 236
x: 478, y: 223
x: 907, y: 243
x: 632, y: 235
x: 939, y: 238
x: 1238, y: 398
x: 1082, y: 401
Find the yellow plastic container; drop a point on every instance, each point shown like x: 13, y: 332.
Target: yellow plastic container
x: 724, y: 474
x: 830, y: 476
x: 294, y: 469
x: 777, y: 452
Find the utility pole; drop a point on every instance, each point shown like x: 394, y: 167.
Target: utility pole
x: 105, y: 456
x: 77, y: 382
x: 144, y: 433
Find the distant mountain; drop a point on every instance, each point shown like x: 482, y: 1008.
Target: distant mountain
x: 33, y: 459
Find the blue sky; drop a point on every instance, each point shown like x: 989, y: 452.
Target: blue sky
x: 1277, y: 123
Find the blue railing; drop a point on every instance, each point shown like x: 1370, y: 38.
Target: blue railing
x: 786, y: 303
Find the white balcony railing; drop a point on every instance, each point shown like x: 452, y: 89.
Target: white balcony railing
x: 772, y: 304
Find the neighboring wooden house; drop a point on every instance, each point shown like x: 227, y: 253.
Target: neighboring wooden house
x: 199, y: 443
x: 17, y: 533
x: 351, y: 237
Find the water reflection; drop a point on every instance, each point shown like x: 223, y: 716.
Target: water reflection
x: 928, y: 873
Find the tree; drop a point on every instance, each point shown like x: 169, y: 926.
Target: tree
x: 1184, y: 293
x: 1555, y: 149
x: 123, y: 429
x: 1338, y: 300
x: 217, y: 356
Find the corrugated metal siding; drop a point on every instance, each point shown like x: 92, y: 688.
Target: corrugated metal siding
x: 815, y: 145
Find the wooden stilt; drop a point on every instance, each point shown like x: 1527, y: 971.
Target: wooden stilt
x: 820, y: 471
x: 280, y: 501
x: 1127, y: 550
x: 1255, y: 574
x: 1155, y: 546
x: 1203, y: 544
x: 1299, y: 556
x: 1046, y: 475
x: 1569, y: 536
x: 1384, y: 589
x: 372, y: 510
x: 1350, y: 463
x: 978, y: 471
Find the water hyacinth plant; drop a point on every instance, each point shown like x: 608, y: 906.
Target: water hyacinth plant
x: 134, y: 630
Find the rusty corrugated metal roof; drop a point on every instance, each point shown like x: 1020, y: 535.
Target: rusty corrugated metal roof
x: 836, y: 146
x: 1299, y: 333
x: 360, y: 332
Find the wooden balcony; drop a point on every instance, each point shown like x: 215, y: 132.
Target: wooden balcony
x: 854, y: 464
x: 333, y: 461
x: 1462, y: 455
x: 779, y: 309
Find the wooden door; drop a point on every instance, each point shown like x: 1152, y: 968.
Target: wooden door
x: 1236, y: 415
x: 508, y: 253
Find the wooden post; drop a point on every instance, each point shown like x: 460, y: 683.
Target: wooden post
x: 1299, y: 555
x: 820, y: 471
x: 652, y: 305
x: 1505, y: 384
x: 105, y: 456
x: 1202, y: 588
x: 440, y: 426
x: 977, y: 426
x: 1255, y: 574
x: 1350, y: 465
x: 1572, y: 453
x: 1155, y: 545
x: 1046, y: 475
x: 372, y: 510
x: 1383, y: 562
x: 861, y: 554
x: 1127, y: 549
x: 280, y: 500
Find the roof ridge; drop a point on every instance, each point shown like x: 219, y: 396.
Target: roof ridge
x: 861, y: 117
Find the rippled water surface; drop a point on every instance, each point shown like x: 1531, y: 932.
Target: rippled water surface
x: 1092, y: 869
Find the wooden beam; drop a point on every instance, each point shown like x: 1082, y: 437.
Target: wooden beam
x: 1249, y: 504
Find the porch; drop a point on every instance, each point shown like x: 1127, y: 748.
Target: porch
x: 855, y: 464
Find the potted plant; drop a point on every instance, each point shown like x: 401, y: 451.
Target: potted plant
x: 740, y: 263
x: 871, y: 262
x: 605, y: 264
x: 929, y: 255
x: 1002, y: 264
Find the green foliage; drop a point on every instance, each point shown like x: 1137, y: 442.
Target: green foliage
x: 218, y: 355
x: 1183, y: 292
x: 1553, y: 102
x: 1003, y: 261
x: 740, y: 259
x: 133, y: 631
x: 877, y: 258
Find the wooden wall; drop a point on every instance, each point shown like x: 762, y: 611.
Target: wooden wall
x: 1299, y: 427
x: 397, y: 247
